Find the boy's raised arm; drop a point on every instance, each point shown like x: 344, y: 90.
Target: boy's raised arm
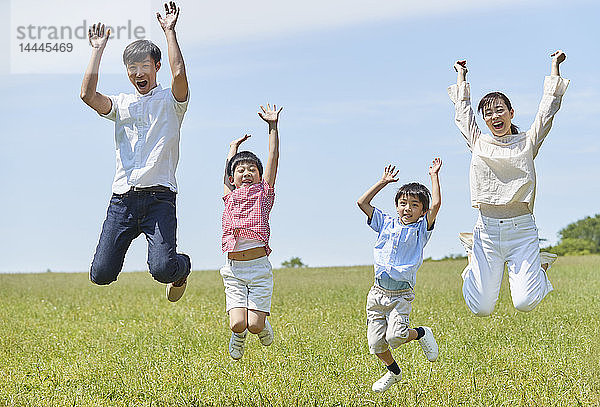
x: 436, y: 193
x: 233, y: 149
x: 98, y: 37
x: 364, y: 202
x: 179, y: 83
x: 271, y: 116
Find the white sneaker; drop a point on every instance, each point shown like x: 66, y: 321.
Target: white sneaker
x: 267, y: 335
x: 429, y: 345
x: 466, y: 239
x: 548, y: 258
x: 236, y: 345
x: 386, y: 382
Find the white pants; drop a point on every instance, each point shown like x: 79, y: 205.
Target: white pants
x: 498, y: 241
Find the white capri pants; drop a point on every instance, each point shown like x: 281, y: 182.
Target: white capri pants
x: 248, y: 284
x: 498, y: 241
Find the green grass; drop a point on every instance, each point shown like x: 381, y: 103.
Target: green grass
x: 66, y: 342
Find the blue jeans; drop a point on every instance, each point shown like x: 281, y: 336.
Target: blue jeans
x: 151, y: 212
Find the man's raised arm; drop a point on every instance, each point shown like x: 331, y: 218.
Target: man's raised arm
x: 179, y: 84
x: 98, y: 38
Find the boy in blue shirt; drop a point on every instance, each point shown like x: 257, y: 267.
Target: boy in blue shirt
x: 398, y: 255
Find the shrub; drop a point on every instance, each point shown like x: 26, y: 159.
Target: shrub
x: 294, y: 262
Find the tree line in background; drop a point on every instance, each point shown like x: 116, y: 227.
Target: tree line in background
x: 577, y: 238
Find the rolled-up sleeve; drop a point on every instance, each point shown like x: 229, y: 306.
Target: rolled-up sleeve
x: 112, y: 115
x: 377, y: 220
x: 180, y: 107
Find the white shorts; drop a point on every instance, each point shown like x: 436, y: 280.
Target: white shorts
x: 496, y: 242
x: 248, y: 284
x: 387, y: 318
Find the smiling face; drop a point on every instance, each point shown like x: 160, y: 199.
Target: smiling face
x: 143, y: 74
x: 498, y: 117
x: 409, y: 208
x: 244, y: 174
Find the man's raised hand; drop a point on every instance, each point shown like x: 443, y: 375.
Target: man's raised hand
x: 270, y: 115
x: 171, y: 15
x: 98, y: 36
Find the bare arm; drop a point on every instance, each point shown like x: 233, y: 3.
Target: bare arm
x: 271, y: 116
x: 179, y: 83
x: 364, y: 202
x: 436, y: 193
x: 460, y: 67
x: 98, y: 38
x: 233, y: 149
x: 557, y: 58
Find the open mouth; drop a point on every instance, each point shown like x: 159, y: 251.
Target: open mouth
x: 141, y: 84
x: 498, y: 125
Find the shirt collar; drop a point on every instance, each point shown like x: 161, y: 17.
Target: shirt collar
x: 152, y: 91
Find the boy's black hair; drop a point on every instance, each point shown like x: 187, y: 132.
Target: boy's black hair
x: 415, y: 189
x: 138, y: 50
x: 490, y: 98
x: 244, y: 157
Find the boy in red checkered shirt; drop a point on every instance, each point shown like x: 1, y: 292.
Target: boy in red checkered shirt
x: 247, y: 275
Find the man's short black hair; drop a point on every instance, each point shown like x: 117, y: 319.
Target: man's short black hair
x: 417, y: 190
x: 138, y: 50
x: 244, y: 157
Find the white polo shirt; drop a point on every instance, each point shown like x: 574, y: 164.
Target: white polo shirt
x: 147, y: 138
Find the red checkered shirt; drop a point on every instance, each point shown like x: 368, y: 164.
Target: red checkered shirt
x: 246, y: 214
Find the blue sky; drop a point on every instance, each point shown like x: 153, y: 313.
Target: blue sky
x: 362, y: 85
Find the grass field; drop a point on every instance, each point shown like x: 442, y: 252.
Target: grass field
x: 65, y: 342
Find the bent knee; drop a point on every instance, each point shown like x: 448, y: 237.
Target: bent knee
x: 378, y: 346
x: 482, y: 309
x: 525, y: 304
x: 395, y: 341
x: 102, y: 275
x: 256, y: 327
x: 238, y: 326
x: 163, y: 270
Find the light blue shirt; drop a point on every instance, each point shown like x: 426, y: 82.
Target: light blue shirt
x: 399, y: 248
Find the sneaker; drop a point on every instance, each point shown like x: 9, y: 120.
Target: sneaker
x: 176, y: 289
x: 548, y: 258
x: 429, y: 345
x: 236, y: 345
x: 266, y: 335
x: 386, y: 382
x: 466, y: 239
